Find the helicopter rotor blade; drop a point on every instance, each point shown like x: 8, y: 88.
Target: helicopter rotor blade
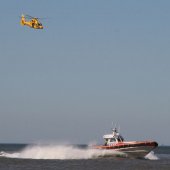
x: 28, y: 16
x: 42, y: 18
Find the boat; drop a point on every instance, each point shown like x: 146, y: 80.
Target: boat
x: 133, y: 149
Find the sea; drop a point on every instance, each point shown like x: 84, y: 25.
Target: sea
x: 77, y: 157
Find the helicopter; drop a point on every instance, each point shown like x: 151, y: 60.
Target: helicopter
x: 32, y: 22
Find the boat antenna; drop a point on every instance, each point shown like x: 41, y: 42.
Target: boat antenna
x: 119, y: 129
x: 114, y: 125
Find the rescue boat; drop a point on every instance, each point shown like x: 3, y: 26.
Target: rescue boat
x: 136, y: 149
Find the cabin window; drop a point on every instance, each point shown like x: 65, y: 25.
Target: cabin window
x: 119, y: 139
x: 112, y: 140
x: 106, y: 140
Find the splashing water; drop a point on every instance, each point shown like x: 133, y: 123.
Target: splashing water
x: 151, y: 156
x: 63, y: 152
x: 60, y: 152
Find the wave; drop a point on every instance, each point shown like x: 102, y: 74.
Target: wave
x: 64, y: 152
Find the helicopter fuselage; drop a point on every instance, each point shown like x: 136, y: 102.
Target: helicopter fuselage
x: 33, y: 23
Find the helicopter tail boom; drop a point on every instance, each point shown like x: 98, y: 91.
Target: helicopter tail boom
x: 22, y: 22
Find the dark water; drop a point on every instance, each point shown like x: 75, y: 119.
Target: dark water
x: 54, y: 157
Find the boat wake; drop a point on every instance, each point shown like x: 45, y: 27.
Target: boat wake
x: 63, y: 152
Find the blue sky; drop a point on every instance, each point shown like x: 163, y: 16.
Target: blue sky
x: 96, y: 62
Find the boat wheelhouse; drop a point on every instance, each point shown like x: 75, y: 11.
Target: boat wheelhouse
x: 111, y: 139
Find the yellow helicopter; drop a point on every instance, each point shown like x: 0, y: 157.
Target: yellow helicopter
x: 31, y: 22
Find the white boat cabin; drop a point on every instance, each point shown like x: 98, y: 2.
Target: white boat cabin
x: 113, y: 138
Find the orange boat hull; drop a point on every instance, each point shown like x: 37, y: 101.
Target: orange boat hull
x: 132, y: 149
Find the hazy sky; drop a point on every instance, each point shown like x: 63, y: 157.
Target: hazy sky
x: 96, y: 62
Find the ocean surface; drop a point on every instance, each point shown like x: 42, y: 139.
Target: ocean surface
x: 76, y: 157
